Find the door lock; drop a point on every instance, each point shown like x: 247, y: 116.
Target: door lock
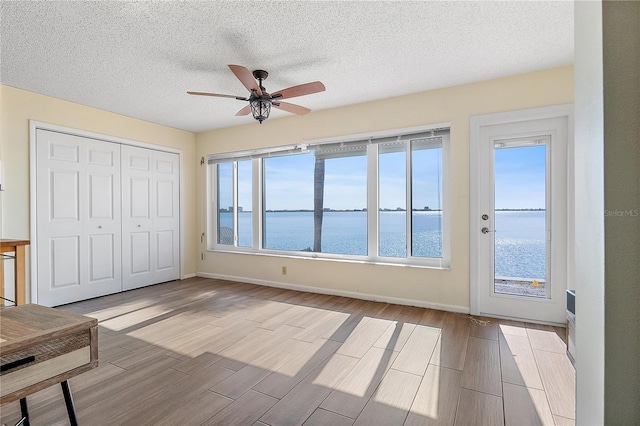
x: 485, y: 217
x: 486, y: 230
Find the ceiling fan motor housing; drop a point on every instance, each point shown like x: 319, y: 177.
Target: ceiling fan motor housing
x: 260, y: 74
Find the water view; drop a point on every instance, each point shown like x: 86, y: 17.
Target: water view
x: 519, y: 244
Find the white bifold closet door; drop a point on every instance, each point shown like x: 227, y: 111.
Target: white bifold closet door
x: 78, y: 218
x: 150, y: 217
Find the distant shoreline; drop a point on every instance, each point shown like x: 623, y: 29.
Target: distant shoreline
x: 382, y: 210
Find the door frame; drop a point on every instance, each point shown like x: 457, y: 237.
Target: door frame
x: 475, y: 124
x: 33, y: 196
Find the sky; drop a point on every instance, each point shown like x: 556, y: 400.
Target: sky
x: 520, y: 177
x: 289, y: 181
x: 519, y: 180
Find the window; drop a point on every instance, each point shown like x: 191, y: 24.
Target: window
x: 225, y: 204
x: 316, y: 201
x: 234, y: 205
x: 392, y: 209
x: 426, y: 198
x: 376, y: 199
x: 288, y: 202
x: 245, y: 203
x: 418, y: 234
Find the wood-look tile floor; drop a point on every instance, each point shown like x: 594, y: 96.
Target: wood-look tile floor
x: 210, y: 352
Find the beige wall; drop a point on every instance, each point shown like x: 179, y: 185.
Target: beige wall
x: 19, y: 106
x: 455, y: 105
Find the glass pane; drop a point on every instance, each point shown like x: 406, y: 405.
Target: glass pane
x: 426, y: 200
x: 225, y: 203
x: 245, y: 203
x: 392, y: 190
x: 343, y: 211
x: 520, y: 221
x: 316, y: 204
x: 288, y: 202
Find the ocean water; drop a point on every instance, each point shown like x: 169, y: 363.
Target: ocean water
x: 519, y: 238
x: 520, y: 247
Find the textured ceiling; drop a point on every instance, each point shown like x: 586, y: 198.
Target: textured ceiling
x: 139, y: 58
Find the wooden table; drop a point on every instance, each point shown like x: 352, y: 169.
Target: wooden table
x: 40, y: 347
x: 17, y: 246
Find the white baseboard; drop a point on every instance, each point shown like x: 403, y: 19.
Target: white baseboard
x: 191, y: 275
x: 334, y: 292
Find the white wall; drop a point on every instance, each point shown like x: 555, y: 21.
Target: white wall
x: 443, y: 288
x: 607, y: 221
x: 589, y: 214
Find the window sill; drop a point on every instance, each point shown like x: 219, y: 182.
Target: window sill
x: 361, y: 260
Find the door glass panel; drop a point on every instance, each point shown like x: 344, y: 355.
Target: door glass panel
x: 520, y: 266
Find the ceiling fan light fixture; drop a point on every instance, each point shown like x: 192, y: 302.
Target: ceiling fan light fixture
x: 260, y: 109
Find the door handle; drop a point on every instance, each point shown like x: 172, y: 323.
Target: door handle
x: 486, y: 230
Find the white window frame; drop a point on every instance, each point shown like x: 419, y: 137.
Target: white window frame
x: 372, y: 200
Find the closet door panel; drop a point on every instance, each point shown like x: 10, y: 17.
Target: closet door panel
x: 140, y: 253
x: 151, y: 219
x: 65, y: 262
x: 78, y: 218
x: 164, y: 241
x: 166, y: 174
x: 137, y: 221
x: 103, y: 224
x: 64, y: 195
x: 102, y: 262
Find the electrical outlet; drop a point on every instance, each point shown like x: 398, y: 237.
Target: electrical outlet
x: 284, y: 270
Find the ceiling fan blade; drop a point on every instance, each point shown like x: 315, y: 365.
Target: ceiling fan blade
x: 296, y: 109
x: 246, y: 78
x: 218, y: 95
x: 300, y: 90
x: 244, y: 111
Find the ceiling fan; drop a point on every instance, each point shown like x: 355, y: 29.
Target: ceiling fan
x: 260, y: 102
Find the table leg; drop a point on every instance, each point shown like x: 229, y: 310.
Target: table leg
x: 2, y: 301
x: 20, y: 265
x: 24, y: 411
x: 68, y: 400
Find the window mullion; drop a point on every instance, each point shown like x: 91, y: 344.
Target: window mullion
x: 373, y: 202
x: 212, y: 236
x: 256, y: 213
x: 234, y: 188
x: 409, y: 215
x: 446, y: 202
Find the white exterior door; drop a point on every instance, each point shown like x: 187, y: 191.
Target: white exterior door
x: 150, y: 226
x: 519, y: 220
x: 78, y: 218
